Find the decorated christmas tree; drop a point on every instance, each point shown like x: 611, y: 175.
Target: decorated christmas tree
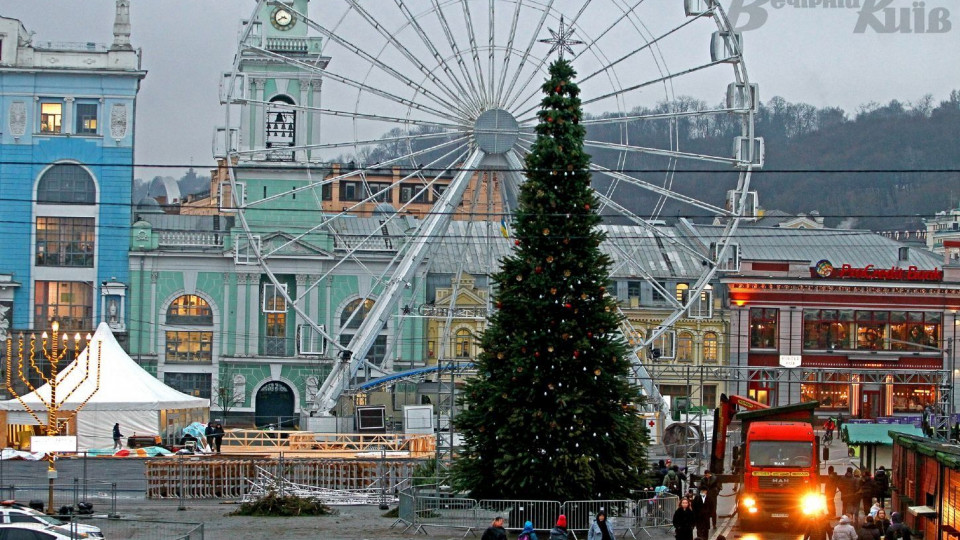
x: 551, y: 414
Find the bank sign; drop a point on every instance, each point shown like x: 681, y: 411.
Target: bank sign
x: 826, y: 270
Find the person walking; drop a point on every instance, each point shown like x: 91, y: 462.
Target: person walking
x: 882, y: 480
x: 848, y: 494
x: 701, y: 507
x: 816, y: 526
x: 712, y: 484
x: 898, y: 529
x: 216, y: 438
x: 882, y: 522
x: 844, y: 530
x: 684, y: 519
x: 868, y: 491
x: 830, y: 484
x: 673, y: 482
x: 601, y: 528
x: 527, y: 533
x: 495, y: 531
x: 559, y: 532
x: 869, y: 529
x: 117, y: 437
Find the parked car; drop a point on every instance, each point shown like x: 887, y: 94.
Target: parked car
x: 15, y: 513
x: 36, y: 531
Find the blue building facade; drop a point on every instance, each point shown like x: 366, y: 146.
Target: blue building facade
x: 66, y: 171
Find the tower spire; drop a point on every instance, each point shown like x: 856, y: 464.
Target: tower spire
x: 121, y: 27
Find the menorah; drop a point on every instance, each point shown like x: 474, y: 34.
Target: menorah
x: 56, y: 351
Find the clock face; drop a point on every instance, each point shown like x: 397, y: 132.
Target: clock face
x: 282, y: 19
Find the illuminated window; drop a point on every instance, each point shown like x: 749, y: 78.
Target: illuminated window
x: 684, y: 347
x: 462, y: 343
x: 682, y: 290
x: 189, y: 347
x: 69, y: 302
x: 711, y: 348
x: 86, y: 119
x: 190, y: 309
x: 763, y: 328
x: 65, y: 242
x: 51, y: 115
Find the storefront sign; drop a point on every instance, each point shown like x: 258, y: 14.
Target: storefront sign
x: 824, y: 269
x: 790, y: 360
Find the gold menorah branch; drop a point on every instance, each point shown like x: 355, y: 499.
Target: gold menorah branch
x: 54, y: 353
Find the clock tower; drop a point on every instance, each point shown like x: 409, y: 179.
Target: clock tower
x: 276, y: 118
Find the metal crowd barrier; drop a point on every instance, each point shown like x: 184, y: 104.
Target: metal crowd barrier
x: 425, y: 507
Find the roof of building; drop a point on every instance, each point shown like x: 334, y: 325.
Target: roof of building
x: 948, y: 454
x: 858, y: 248
x: 875, y: 433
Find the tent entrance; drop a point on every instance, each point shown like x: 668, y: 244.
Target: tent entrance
x: 274, y: 406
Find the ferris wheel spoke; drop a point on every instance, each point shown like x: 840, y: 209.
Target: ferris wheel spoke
x: 658, y: 116
x: 526, y: 53
x: 491, y: 51
x: 358, y: 115
x: 355, y: 84
x: 662, y: 191
x: 452, y: 42
x: 646, y: 225
x: 348, y: 211
x: 405, y: 51
x: 658, y: 80
x: 387, y: 68
x: 475, y: 53
x: 459, y: 140
x: 660, y: 152
x: 438, y: 58
x: 498, y: 96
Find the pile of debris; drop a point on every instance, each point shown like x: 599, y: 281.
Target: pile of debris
x: 267, y: 484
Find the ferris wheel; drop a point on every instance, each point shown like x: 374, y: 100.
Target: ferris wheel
x: 418, y: 115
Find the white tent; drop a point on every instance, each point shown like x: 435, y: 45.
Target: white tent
x: 126, y: 394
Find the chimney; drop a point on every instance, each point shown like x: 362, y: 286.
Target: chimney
x: 121, y: 27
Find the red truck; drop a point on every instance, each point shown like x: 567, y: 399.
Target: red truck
x: 777, y: 466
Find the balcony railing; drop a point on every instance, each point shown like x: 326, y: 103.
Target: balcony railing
x: 190, y: 239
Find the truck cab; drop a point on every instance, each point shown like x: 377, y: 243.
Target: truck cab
x: 780, y: 473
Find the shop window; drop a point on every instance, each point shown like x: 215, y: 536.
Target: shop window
x: 86, y: 123
x: 684, y: 347
x: 913, y: 397
x: 69, y: 302
x: 194, y: 384
x: 190, y: 309
x: 66, y: 183
x: 65, y: 242
x: 914, y: 331
x: 711, y: 348
x: 871, y: 330
x: 51, y: 114
x: 827, y: 329
x: 189, y: 347
x: 763, y: 328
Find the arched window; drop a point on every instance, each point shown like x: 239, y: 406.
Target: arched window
x: 462, y: 344
x: 684, y: 347
x: 66, y: 183
x: 281, y: 123
x: 711, y: 352
x: 351, y: 317
x: 189, y: 309
x: 189, y: 346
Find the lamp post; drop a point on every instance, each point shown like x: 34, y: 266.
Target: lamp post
x: 54, y: 353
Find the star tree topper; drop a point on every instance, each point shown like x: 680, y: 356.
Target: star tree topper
x: 562, y: 40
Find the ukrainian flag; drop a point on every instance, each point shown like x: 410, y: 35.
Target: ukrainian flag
x: 503, y: 228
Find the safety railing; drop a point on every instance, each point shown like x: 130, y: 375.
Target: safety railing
x: 427, y: 507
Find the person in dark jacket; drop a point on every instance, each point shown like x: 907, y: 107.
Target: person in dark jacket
x: 601, y: 528
x: 898, y: 529
x: 848, y: 495
x: 560, y: 531
x: 817, y: 526
x: 868, y: 490
x: 869, y: 529
x: 495, y: 531
x: 883, y: 484
x: 710, y: 482
x: 701, y: 508
x: 830, y: 484
x: 883, y: 523
x: 684, y: 519
x: 674, y: 482
x: 117, y: 437
x: 527, y: 533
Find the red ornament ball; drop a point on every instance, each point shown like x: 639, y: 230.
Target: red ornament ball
x: 516, y: 242
x: 568, y: 305
x: 586, y: 207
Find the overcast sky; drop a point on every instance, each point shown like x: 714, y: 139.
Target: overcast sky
x: 813, y: 55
